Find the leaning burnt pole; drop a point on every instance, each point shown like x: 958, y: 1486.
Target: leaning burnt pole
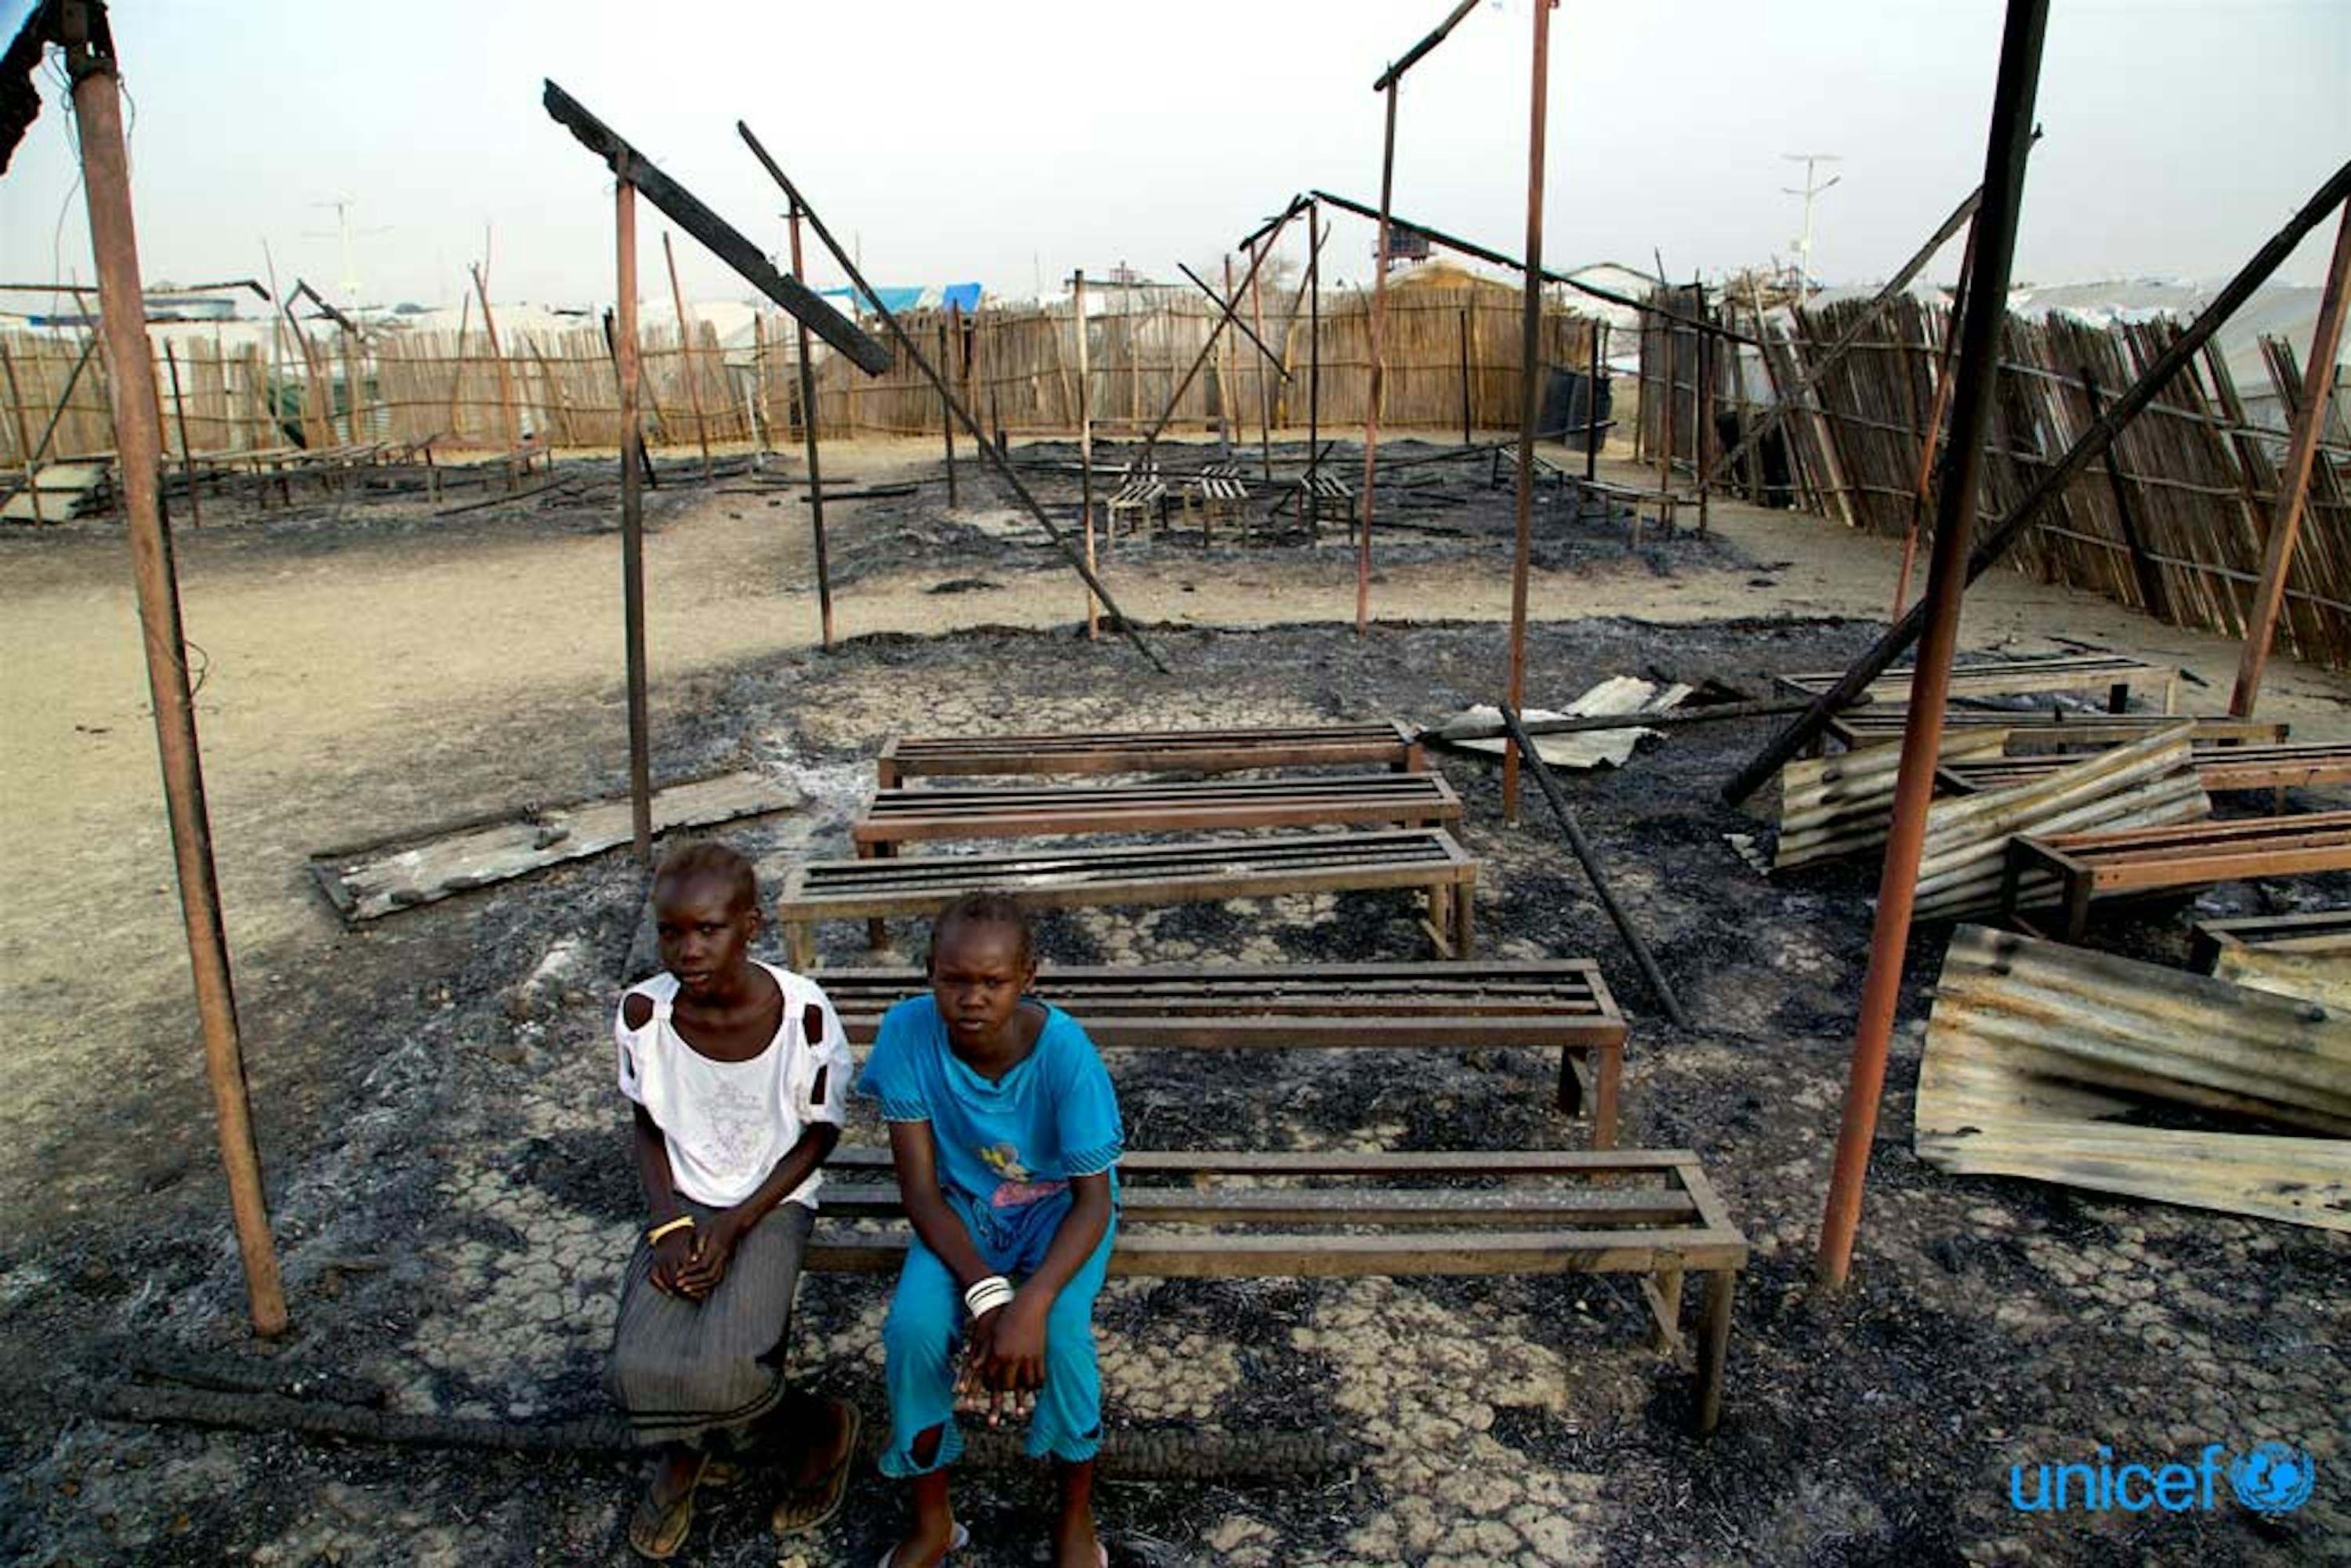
x: 634, y: 173
x: 81, y: 29
x: 2010, y: 141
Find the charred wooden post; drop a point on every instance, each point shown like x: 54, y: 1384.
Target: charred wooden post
x: 90, y: 64
x: 1314, y: 341
x: 2302, y: 450
x: 686, y: 355
x: 1264, y: 387
x: 1466, y: 437
x: 2002, y: 199
x: 1085, y: 437
x: 808, y: 435
x: 2052, y: 482
x: 179, y: 417
x: 506, y: 380
x: 1591, y: 405
x: 1573, y: 831
x: 632, y: 512
x: 2143, y: 566
x: 1379, y: 375
x: 1529, y: 414
x: 1004, y: 469
x: 947, y: 414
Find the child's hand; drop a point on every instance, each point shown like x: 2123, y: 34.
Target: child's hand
x: 1004, y: 1361
x: 672, y: 1254
x: 706, y: 1265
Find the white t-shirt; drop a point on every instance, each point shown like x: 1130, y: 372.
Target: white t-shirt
x: 727, y: 1123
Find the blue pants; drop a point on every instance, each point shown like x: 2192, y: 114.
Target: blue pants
x: 925, y: 1330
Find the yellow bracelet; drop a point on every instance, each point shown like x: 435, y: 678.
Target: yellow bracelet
x: 683, y: 1222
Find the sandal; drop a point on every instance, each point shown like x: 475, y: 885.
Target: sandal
x: 955, y: 1543
x: 812, y: 1506
x: 657, y: 1531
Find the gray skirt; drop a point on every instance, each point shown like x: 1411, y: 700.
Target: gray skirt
x: 685, y: 1370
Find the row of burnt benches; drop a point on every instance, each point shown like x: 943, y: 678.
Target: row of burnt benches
x: 2229, y: 754
x: 1652, y: 1214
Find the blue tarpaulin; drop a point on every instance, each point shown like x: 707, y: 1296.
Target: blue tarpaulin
x: 965, y: 297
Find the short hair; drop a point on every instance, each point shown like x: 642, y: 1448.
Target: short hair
x: 983, y: 906
x: 707, y: 858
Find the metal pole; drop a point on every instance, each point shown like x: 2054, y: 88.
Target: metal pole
x: 632, y: 515
x: 1642, y: 956
x: 187, y: 458
x: 2052, y: 482
x: 1530, y: 403
x: 2010, y: 141
x: 686, y: 355
x: 2294, y: 483
x: 1085, y: 438
x: 807, y: 430
x: 1371, y: 403
x: 114, y: 243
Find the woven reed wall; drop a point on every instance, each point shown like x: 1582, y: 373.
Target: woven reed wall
x: 2170, y: 523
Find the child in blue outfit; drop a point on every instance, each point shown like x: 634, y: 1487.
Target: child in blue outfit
x: 1005, y: 1131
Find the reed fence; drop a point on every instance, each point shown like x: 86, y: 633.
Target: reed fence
x: 2171, y: 522
x: 1451, y: 353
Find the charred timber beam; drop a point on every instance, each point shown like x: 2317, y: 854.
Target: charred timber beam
x: 2093, y: 444
x: 1412, y: 56
x: 1516, y: 728
x: 1226, y: 306
x: 717, y: 234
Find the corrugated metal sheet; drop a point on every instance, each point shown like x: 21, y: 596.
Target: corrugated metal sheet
x: 2134, y: 786
x: 2031, y: 1044
x: 1830, y: 807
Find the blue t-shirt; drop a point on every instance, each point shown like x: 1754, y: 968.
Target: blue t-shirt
x: 1003, y: 1145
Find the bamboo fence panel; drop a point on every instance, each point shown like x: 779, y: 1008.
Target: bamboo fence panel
x: 2197, y: 484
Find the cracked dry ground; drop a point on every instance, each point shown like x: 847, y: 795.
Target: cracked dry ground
x: 454, y: 1208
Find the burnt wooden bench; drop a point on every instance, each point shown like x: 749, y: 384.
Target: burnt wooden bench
x: 1648, y: 1213
x: 1139, y: 489
x: 2319, y: 931
x: 2014, y: 677
x: 1186, y: 871
x: 1542, y: 1004
x: 1385, y: 743
x: 895, y: 817
x: 2290, y: 765
x: 2049, y: 731
x: 1323, y: 489
x: 2085, y: 866
x: 1217, y: 491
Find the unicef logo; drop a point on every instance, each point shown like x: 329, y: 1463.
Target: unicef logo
x: 2272, y: 1478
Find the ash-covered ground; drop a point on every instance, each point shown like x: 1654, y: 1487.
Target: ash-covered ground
x: 454, y: 1205
x: 452, y: 1201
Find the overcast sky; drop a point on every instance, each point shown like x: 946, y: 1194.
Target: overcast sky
x: 1012, y: 141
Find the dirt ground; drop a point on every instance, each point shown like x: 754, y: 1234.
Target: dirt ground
x: 444, y: 1144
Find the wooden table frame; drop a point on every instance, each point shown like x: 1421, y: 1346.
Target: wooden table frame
x: 1650, y: 1213
x: 896, y: 817
x: 1384, y: 743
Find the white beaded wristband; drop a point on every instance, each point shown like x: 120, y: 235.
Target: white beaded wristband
x: 985, y: 1295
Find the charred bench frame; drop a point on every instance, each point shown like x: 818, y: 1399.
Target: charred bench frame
x: 901, y: 816
x: 1858, y: 727
x: 1650, y: 1213
x: 2014, y: 677
x: 2164, y: 858
x: 1542, y: 1004
x: 1385, y: 743
x: 2292, y: 765
x: 1188, y: 872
